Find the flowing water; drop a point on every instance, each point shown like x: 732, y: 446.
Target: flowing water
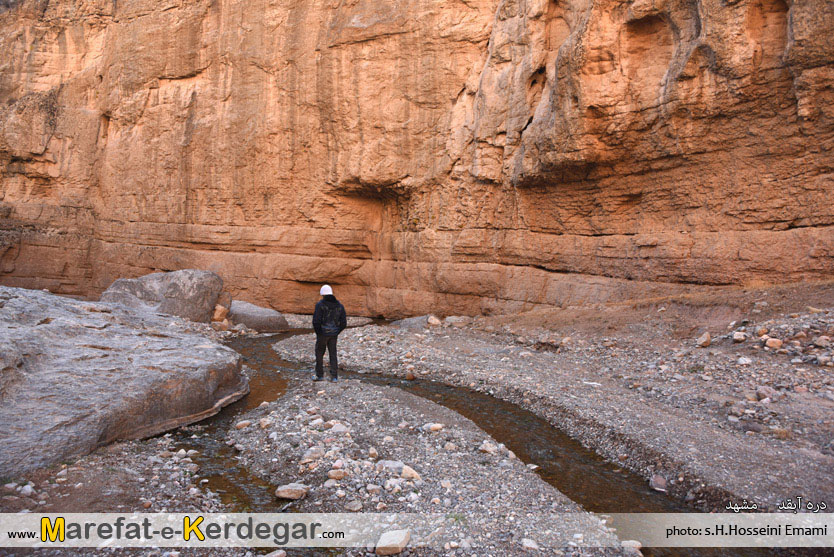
x: 582, y: 475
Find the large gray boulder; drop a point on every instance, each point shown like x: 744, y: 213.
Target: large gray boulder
x: 76, y: 375
x: 263, y: 320
x: 189, y: 293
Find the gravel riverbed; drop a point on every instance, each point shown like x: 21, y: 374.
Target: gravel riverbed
x: 356, y: 447
x: 740, y: 416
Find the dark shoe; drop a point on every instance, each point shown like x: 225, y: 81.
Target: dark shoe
x: 334, y: 379
x: 317, y: 378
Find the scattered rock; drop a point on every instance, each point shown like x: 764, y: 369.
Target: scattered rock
x: 822, y: 342
x: 763, y: 392
x: 393, y: 542
x: 458, y: 320
x: 488, y: 447
x: 658, y: 483
x: 704, y: 340
x: 242, y: 424
x: 433, y: 321
x: 773, y: 343
x: 392, y: 466
x: 292, y: 491
x: 313, y: 453
x: 529, y: 544
x: 739, y: 336
x: 337, y: 474
x: 409, y: 473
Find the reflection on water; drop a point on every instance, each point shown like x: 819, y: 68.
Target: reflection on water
x: 239, y: 489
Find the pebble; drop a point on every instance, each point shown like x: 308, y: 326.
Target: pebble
x: 763, y: 392
x: 409, y: 473
x: 488, y: 447
x: 242, y: 424
x: 292, y: 491
x: 658, y: 483
x: 773, y: 343
x: 393, y: 541
x: 529, y: 544
x: 337, y: 474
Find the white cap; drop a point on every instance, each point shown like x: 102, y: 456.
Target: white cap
x: 325, y: 290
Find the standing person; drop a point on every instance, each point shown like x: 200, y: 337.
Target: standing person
x: 329, y: 320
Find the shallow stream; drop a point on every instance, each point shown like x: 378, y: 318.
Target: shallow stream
x: 579, y: 473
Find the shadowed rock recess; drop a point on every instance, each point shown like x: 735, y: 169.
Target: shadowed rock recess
x: 480, y: 156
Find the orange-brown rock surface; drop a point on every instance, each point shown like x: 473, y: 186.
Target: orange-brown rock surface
x: 464, y: 156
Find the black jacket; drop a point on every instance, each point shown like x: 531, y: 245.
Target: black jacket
x: 330, y: 318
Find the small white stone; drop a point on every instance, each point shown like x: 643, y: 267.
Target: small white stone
x: 529, y: 544
x: 393, y: 542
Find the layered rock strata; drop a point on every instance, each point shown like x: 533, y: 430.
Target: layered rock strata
x: 488, y: 155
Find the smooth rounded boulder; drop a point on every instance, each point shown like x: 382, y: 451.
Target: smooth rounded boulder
x: 189, y: 293
x: 263, y: 320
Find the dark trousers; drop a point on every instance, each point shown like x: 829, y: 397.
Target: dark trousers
x: 329, y: 343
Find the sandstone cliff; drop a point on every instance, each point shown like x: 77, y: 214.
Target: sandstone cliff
x: 460, y: 156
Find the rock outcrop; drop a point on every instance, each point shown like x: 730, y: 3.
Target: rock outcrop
x: 190, y: 293
x: 77, y: 375
x: 482, y: 156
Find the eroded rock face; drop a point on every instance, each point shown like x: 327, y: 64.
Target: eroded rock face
x: 77, y: 375
x: 478, y: 156
x: 190, y: 293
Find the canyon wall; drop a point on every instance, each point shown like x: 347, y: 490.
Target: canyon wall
x: 420, y: 155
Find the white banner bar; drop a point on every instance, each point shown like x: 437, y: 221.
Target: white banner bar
x: 370, y: 530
